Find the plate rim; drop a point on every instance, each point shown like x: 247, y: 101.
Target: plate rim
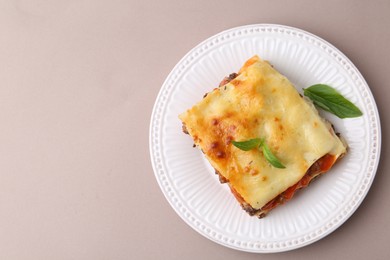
x: 295, y: 32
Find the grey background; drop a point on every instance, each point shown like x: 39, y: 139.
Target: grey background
x: 78, y: 80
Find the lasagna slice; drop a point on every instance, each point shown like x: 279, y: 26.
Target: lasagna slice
x: 259, y: 102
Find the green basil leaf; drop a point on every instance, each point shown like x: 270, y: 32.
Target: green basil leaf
x: 332, y: 101
x: 271, y: 158
x: 247, y: 145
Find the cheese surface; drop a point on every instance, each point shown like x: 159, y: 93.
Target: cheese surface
x: 260, y: 103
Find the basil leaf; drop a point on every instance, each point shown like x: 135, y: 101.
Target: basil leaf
x: 332, y: 101
x: 271, y: 158
x: 247, y: 145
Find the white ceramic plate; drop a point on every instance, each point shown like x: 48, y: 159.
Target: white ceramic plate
x: 189, y: 183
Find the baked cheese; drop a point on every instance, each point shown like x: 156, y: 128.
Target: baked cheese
x: 260, y: 103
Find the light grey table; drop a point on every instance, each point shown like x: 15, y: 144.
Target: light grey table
x: 78, y: 80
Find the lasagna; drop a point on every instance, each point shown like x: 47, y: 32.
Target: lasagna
x: 259, y: 102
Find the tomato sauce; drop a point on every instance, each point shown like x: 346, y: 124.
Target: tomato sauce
x: 320, y: 166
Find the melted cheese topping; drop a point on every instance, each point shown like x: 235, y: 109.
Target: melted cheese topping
x: 260, y: 103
